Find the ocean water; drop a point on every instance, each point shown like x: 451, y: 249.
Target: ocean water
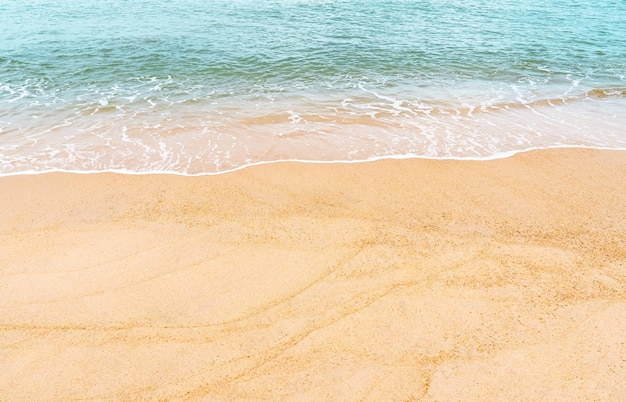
x: 196, y: 87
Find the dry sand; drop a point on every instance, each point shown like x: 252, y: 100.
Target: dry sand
x: 388, y: 280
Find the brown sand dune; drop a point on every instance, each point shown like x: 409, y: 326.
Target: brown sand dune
x: 389, y: 280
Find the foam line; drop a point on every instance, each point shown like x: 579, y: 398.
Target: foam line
x: 501, y: 155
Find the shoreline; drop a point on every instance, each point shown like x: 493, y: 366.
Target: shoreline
x: 395, y: 279
x: 400, y: 157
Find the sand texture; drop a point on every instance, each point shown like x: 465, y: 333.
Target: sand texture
x: 384, y: 281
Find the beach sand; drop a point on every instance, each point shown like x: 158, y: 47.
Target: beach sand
x: 388, y: 280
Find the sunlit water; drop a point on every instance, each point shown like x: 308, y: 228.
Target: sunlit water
x: 195, y: 87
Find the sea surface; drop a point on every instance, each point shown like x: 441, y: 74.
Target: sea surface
x: 196, y: 87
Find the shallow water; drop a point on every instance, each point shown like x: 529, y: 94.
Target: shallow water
x: 190, y: 87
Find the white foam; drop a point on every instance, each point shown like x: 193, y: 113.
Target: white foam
x: 495, y: 156
x: 200, y: 139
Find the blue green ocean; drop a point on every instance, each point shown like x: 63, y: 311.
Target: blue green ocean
x: 196, y: 87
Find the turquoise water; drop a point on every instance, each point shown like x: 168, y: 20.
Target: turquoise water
x: 197, y: 87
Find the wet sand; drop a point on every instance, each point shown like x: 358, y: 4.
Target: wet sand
x: 389, y: 280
